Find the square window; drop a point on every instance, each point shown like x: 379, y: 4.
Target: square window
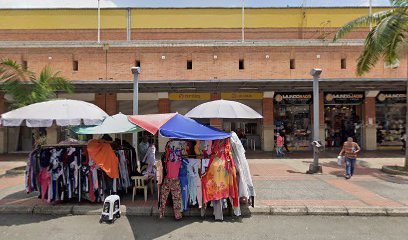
x: 189, y: 64
x: 24, y: 65
x: 75, y: 65
x: 292, y: 64
x: 137, y: 63
x: 241, y: 64
x: 343, y: 63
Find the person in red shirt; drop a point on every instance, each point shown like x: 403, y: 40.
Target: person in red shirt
x: 279, y: 145
x: 350, y: 150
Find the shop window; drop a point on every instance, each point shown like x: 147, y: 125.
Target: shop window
x: 241, y: 64
x: 137, y: 63
x: 292, y: 64
x: 75, y: 65
x: 189, y: 65
x: 24, y: 65
x: 343, y: 63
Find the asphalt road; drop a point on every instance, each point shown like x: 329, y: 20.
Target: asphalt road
x: 42, y: 227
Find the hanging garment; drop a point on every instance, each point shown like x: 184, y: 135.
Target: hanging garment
x: 184, y: 184
x: 150, y: 160
x: 205, y: 148
x: 219, y: 181
x: 124, y: 173
x: 194, y: 189
x: 171, y: 185
x: 245, y: 186
x: 102, y: 154
x: 205, y: 162
x: 218, y: 214
x: 45, y: 180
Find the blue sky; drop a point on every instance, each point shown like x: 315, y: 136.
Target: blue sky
x: 185, y: 3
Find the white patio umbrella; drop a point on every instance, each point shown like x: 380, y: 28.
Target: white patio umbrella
x: 63, y: 112
x: 223, y: 109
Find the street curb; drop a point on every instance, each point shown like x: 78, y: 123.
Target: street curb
x: 246, y: 212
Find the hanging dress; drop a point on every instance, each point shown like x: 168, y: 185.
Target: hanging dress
x: 220, y: 180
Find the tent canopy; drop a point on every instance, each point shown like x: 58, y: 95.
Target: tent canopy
x: 186, y: 128
x: 174, y: 125
x: 63, y: 112
x: 118, y: 123
x: 223, y: 109
x: 151, y: 122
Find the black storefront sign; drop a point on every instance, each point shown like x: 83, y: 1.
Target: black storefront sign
x: 347, y: 98
x: 391, y: 97
x: 293, y: 98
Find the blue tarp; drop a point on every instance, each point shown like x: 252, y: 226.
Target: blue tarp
x: 186, y: 128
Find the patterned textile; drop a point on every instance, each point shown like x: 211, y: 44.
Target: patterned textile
x: 220, y: 180
x: 171, y: 185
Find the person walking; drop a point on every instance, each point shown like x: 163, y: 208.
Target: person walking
x: 279, y: 145
x: 285, y: 142
x: 350, y: 150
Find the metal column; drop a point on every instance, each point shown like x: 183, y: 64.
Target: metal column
x: 316, y: 111
x: 135, y: 72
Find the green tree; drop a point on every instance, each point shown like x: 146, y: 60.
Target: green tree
x: 24, y: 92
x: 24, y: 88
x: 386, y: 39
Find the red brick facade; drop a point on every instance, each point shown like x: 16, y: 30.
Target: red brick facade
x: 259, y: 62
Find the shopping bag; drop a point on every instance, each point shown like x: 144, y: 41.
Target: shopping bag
x: 340, y: 160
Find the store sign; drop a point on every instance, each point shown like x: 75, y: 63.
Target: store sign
x: 189, y: 96
x: 293, y: 98
x: 242, y: 96
x: 343, y: 98
x: 391, y: 97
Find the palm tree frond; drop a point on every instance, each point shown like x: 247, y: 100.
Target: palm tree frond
x: 10, y: 70
x: 362, y: 22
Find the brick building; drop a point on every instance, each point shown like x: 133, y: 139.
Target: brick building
x: 192, y: 55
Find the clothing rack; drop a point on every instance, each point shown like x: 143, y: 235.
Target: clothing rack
x: 80, y: 160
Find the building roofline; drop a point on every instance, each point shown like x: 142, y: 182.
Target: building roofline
x: 180, y: 43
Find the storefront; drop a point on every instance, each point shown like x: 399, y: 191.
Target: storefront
x: 292, y: 113
x: 250, y: 127
x: 342, y: 115
x: 390, y: 118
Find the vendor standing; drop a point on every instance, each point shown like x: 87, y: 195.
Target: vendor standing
x: 143, y: 147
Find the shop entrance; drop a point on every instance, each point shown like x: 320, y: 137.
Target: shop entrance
x: 342, y: 121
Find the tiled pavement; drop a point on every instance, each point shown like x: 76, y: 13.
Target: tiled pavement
x: 281, y: 182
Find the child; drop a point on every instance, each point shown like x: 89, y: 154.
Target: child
x: 279, y: 145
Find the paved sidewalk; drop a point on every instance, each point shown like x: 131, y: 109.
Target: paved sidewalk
x: 281, y: 185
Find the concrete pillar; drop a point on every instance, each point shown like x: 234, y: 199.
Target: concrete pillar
x: 369, y: 124
x: 164, y: 107
x: 111, y: 103
x: 3, y: 131
x: 100, y: 100
x: 267, y: 123
x: 216, y: 122
x: 52, y: 135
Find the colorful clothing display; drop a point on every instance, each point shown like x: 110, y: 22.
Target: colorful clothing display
x: 64, y: 172
x: 184, y: 184
x: 194, y: 182
x: 220, y: 181
x: 171, y: 185
x: 102, y: 154
x: 245, y: 184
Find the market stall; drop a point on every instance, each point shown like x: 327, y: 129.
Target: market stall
x: 201, y: 166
